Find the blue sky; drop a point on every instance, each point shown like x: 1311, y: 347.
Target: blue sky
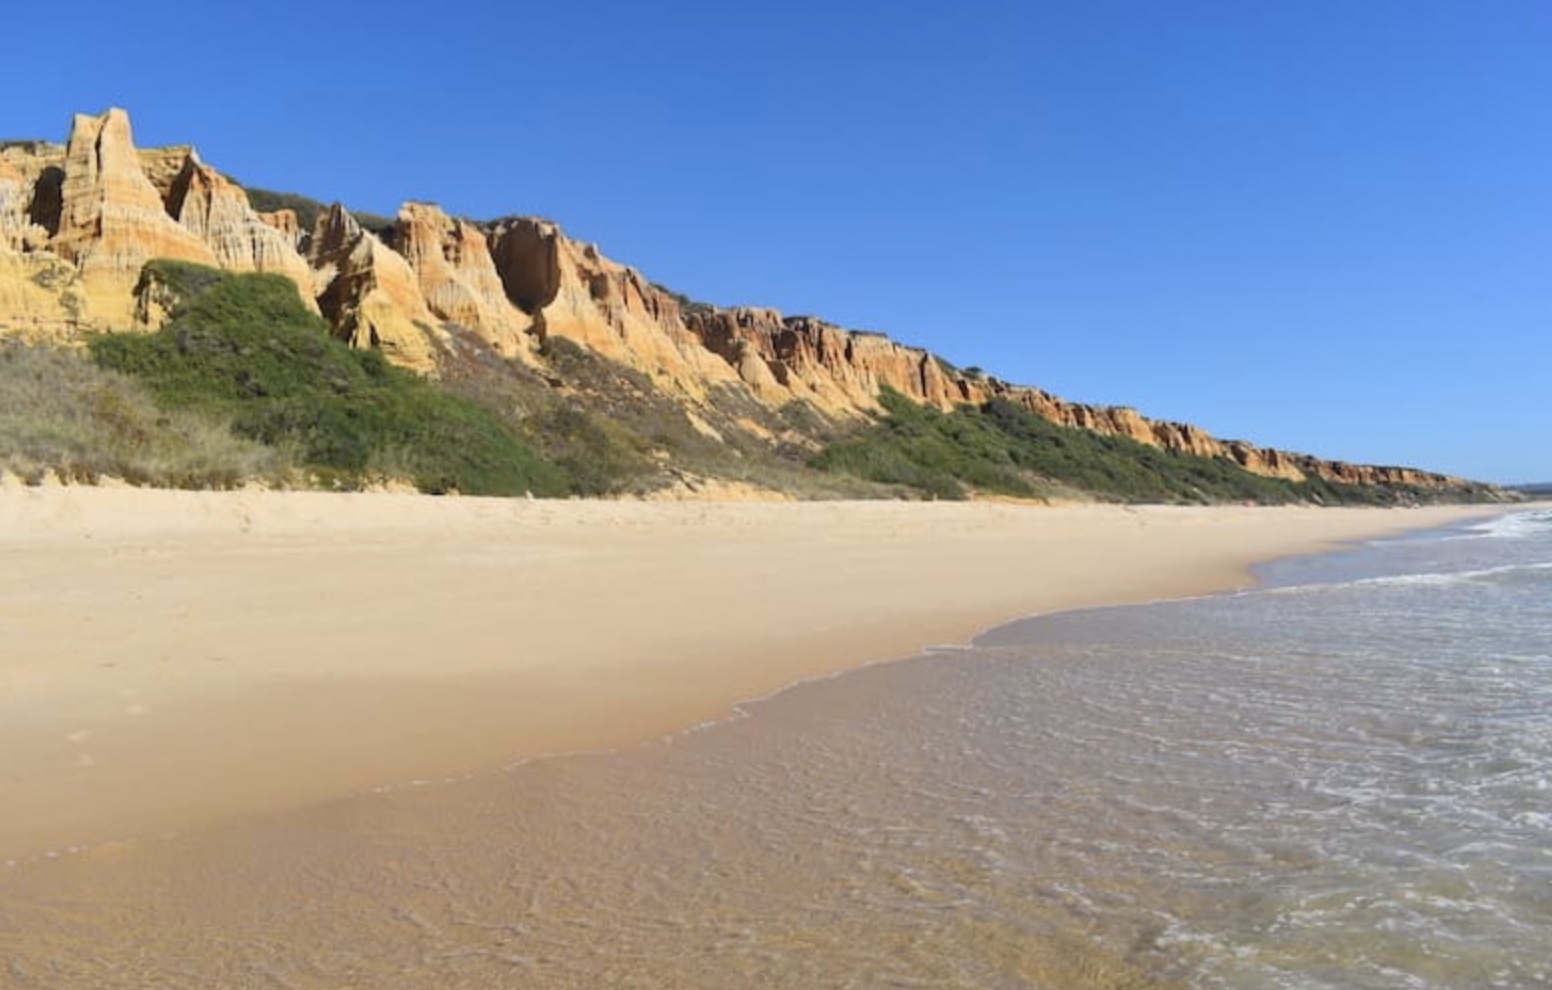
x: 1323, y: 226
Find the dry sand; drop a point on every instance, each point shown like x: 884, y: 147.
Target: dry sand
x: 171, y: 659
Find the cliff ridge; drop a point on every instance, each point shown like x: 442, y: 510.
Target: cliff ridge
x: 79, y: 222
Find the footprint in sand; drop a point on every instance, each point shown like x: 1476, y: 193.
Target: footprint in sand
x: 79, y: 736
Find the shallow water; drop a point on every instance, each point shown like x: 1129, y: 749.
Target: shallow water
x: 1343, y: 779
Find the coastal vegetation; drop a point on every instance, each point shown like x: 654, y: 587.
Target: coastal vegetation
x: 63, y: 416
x: 244, y: 383
x: 242, y: 349
x: 1000, y: 448
x: 617, y: 433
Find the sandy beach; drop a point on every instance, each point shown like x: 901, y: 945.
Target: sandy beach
x: 173, y: 659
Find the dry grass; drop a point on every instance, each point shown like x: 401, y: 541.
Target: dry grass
x: 61, y: 414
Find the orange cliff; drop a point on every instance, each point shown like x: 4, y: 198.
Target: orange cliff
x: 78, y: 222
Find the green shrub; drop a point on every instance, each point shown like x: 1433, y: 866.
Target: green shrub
x: 183, y: 279
x: 245, y: 348
x: 1002, y: 448
x: 941, y: 455
x: 601, y: 456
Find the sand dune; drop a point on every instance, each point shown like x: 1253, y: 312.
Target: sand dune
x: 173, y: 659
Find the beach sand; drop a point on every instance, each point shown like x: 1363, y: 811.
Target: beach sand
x: 171, y: 660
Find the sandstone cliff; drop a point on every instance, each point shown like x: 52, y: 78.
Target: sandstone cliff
x: 112, y: 219
x: 31, y: 178
x: 13, y: 209
x: 369, y: 293
x: 570, y: 290
x: 41, y: 296
x: 210, y: 207
x: 79, y: 221
x: 457, y: 278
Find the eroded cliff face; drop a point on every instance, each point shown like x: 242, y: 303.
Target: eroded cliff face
x: 13, y: 207
x: 112, y: 219
x: 839, y: 371
x: 41, y: 296
x: 216, y: 211
x: 79, y: 221
x: 32, y: 177
x: 570, y: 290
x: 369, y: 293
x: 452, y: 263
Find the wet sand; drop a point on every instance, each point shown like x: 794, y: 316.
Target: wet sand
x: 175, y: 660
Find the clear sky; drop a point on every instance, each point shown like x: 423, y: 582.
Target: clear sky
x: 1323, y: 225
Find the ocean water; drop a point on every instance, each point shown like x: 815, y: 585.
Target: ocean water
x: 1341, y: 779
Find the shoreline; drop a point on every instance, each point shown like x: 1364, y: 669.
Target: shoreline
x: 179, y: 659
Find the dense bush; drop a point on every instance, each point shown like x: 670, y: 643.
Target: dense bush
x: 1002, y: 448
x: 245, y: 348
x: 941, y: 455
x: 601, y: 456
